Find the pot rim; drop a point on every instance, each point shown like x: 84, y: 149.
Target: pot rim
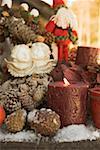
x: 95, y: 91
x: 89, y: 47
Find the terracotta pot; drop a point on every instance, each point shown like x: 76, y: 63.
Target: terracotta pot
x: 69, y: 102
x: 95, y: 105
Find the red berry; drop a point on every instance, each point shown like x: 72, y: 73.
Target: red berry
x: 2, y: 115
x: 74, y: 32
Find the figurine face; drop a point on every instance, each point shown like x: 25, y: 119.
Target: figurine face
x: 61, y: 18
x: 66, y: 17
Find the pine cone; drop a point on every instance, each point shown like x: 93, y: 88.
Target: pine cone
x: 16, y: 121
x: 40, y: 91
x: 32, y: 84
x: 22, y: 90
x: 19, y: 32
x: 38, y: 95
x: 25, y: 99
x: 9, y: 91
x: 12, y: 105
x: 44, y: 121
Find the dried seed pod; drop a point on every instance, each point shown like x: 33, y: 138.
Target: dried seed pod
x: 44, y: 121
x: 25, y: 99
x: 19, y: 32
x: 23, y: 90
x: 16, y: 121
x: 12, y: 104
x: 38, y: 96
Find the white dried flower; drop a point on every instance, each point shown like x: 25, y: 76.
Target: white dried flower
x: 7, y: 2
x: 34, y: 12
x: 25, y: 6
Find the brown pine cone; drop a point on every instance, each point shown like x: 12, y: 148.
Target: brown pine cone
x: 19, y: 32
x: 12, y: 105
x: 11, y: 99
x: 24, y: 97
x: 39, y: 93
x: 45, y: 121
x: 26, y: 101
x: 16, y: 121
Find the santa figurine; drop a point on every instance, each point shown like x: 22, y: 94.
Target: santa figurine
x: 63, y: 25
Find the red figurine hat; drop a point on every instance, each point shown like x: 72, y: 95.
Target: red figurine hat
x: 57, y: 3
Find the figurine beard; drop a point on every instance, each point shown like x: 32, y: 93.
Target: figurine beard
x: 65, y: 18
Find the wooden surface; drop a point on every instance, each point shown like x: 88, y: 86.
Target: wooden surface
x: 83, y: 145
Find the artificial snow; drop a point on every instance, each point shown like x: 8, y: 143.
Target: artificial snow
x: 23, y: 136
x: 31, y: 115
x: 67, y: 134
x: 75, y: 133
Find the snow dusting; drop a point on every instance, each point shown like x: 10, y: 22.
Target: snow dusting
x: 67, y: 134
x: 26, y: 136
x: 75, y: 133
x: 24, y: 113
x: 31, y: 115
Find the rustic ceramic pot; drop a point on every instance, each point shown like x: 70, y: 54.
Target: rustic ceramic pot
x: 87, y: 56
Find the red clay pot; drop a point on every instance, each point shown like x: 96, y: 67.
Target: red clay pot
x: 95, y: 105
